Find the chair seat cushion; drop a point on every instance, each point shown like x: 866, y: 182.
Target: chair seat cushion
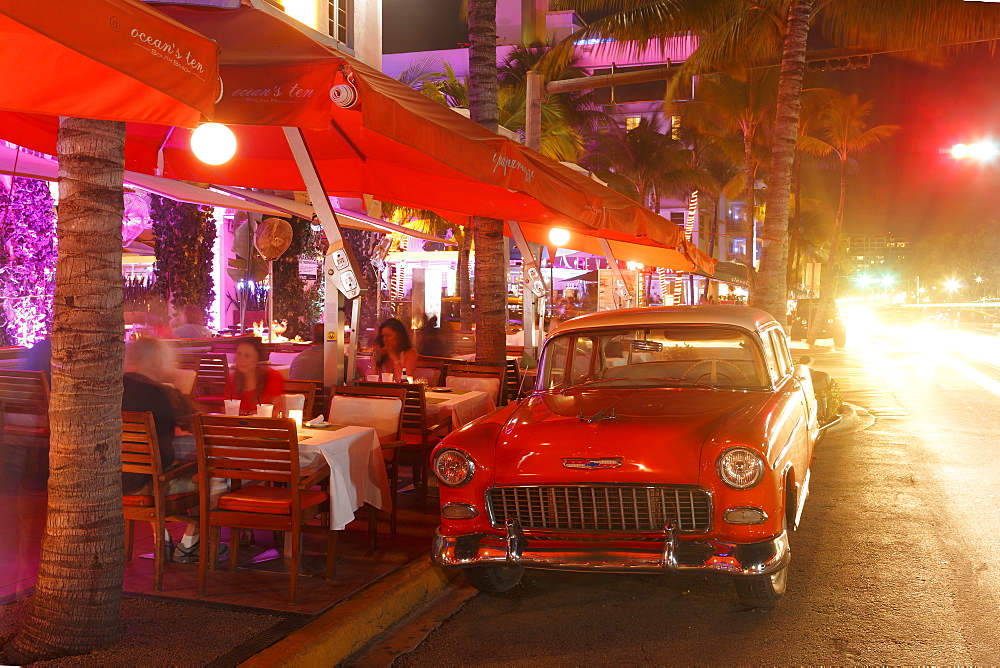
x: 268, y: 500
x: 146, y: 500
x: 40, y: 432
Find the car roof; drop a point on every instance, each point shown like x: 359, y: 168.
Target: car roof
x: 746, y: 317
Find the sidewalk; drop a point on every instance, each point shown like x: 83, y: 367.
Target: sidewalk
x: 245, y: 615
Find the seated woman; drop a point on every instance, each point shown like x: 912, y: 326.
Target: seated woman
x: 394, y: 353
x: 253, y: 382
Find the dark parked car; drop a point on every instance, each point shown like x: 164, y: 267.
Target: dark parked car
x: 831, y: 328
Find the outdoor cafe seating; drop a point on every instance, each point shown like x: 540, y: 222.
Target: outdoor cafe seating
x: 380, y: 408
x: 257, y: 450
x: 141, y: 454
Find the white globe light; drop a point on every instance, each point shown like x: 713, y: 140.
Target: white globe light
x: 558, y: 236
x: 213, y: 143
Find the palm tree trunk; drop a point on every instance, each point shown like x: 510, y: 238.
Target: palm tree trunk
x: 465, y: 314
x: 751, y: 227
x: 771, y: 294
x: 77, y: 602
x: 828, y: 280
x: 791, y: 273
x: 491, y: 270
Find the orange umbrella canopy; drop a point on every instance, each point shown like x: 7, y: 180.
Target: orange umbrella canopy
x: 105, y: 59
x: 367, y: 134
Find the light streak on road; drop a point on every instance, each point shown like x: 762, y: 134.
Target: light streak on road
x: 938, y: 346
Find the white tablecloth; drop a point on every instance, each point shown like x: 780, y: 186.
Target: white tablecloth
x: 357, y: 469
x: 462, y: 407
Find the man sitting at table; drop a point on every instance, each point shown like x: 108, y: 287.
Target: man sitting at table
x: 308, y: 365
x: 147, y: 364
x: 194, y: 324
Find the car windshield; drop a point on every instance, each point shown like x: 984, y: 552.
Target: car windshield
x: 678, y: 355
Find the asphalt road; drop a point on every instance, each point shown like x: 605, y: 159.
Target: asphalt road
x: 895, y: 562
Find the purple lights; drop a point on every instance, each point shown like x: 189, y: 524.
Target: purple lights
x: 27, y: 259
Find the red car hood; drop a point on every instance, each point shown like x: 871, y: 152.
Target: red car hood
x: 656, y: 433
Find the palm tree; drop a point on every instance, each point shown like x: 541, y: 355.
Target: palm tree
x: 77, y: 602
x: 735, y: 35
x: 491, y: 271
x: 845, y: 135
x: 645, y: 164
x: 743, y: 108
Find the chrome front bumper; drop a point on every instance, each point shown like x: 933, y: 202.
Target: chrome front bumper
x: 615, y: 555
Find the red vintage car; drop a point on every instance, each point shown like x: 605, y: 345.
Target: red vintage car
x: 656, y: 439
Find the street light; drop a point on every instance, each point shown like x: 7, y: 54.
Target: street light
x: 983, y: 151
x: 558, y: 237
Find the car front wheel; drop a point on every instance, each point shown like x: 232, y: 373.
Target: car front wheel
x: 494, y: 579
x: 762, y: 591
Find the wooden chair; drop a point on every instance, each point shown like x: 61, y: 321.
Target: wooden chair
x: 310, y: 389
x: 141, y: 454
x: 419, y: 433
x: 24, y: 408
x: 390, y: 440
x: 210, y: 383
x: 431, y: 369
x: 265, y: 450
x: 460, y: 372
x: 463, y: 342
x: 512, y: 389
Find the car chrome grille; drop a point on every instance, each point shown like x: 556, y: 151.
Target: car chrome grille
x: 602, y: 508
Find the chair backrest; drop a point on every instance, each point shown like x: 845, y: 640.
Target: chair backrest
x: 24, y: 398
x: 246, y: 448
x: 213, y: 374
x: 414, y: 417
x: 463, y: 342
x: 353, y: 408
x: 308, y: 389
x: 489, y: 379
x: 513, y: 376
x: 140, y: 446
x: 430, y: 369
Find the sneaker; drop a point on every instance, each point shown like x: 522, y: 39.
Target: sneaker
x: 190, y: 555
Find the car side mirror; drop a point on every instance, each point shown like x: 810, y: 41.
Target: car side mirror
x: 805, y: 359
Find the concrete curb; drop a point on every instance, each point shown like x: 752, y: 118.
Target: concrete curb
x: 348, y: 626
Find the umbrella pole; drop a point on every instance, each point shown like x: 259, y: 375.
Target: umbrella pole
x: 621, y: 286
x: 340, y: 268
x: 270, y: 300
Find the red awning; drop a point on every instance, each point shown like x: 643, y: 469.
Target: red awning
x: 105, y: 59
x: 367, y: 134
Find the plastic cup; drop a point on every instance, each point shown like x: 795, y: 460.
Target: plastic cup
x: 265, y: 410
x: 232, y: 406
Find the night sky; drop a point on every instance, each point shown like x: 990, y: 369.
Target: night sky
x: 906, y: 185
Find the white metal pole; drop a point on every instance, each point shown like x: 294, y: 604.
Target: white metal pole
x: 340, y: 269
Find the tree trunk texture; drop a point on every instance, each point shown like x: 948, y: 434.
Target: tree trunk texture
x: 792, y: 260
x: 828, y: 279
x: 77, y: 602
x: 491, y: 270
x: 751, y: 204
x: 771, y: 293
x: 491, y: 292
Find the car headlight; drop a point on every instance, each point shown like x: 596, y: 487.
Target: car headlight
x: 740, y: 468
x: 453, y: 467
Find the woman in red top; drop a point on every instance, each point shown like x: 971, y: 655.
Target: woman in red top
x: 254, y: 383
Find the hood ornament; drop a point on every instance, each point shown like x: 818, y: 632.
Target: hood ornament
x: 599, y: 463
